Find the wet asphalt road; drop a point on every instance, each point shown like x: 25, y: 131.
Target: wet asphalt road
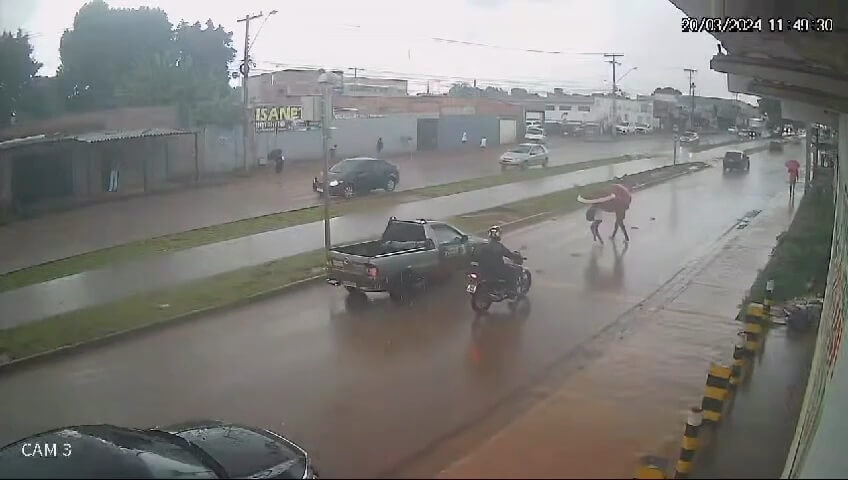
x: 30, y: 242
x: 368, y: 388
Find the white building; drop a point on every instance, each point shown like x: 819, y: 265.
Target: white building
x: 628, y: 110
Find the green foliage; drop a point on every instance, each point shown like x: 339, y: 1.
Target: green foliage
x: 17, y: 70
x: 115, y: 57
x: 771, y: 109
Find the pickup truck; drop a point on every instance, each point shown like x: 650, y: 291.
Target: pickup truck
x: 408, y: 251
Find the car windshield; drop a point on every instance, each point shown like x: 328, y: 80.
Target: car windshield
x: 733, y: 155
x: 534, y: 131
x: 347, y: 165
x: 520, y: 149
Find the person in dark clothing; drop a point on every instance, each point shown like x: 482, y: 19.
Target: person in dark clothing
x: 593, y: 216
x: 276, y: 155
x: 379, y: 145
x: 333, y: 152
x: 620, y: 213
x: 490, y: 256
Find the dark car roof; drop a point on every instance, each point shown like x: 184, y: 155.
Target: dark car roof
x: 200, y: 449
x: 101, y: 451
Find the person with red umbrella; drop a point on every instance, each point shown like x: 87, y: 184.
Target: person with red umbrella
x: 794, y: 169
x: 616, y: 201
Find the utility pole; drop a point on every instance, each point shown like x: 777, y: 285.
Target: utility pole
x: 245, y: 71
x: 614, y: 62
x: 328, y: 82
x: 691, y: 71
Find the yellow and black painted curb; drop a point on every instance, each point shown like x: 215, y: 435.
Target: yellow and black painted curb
x: 690, y: 443
x: 740, y: 357
x: 768, y: 300
x: 651, y: 467
x: 754, y: 328
x: 718, y: 385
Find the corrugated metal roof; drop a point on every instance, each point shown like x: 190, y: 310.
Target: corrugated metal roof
x: 107, y: 136
x: 31, y: 140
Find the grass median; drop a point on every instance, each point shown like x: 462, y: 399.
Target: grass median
x: 250, y: 226
x: 799, y: 264
x: 230, y: 288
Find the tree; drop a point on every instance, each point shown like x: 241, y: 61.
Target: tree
x: 667, y: 91
x: 17, y: 70
x: 209, y: 50
x: 104, y: 44
x: 771, y: 109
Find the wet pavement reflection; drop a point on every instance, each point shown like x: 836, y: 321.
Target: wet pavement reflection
x: 370, y: 387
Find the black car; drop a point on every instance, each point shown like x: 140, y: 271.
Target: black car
x: 357, y: 175
x: 736, y: 160
x: 208, y: 449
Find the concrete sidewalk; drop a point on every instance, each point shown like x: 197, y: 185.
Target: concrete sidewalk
x: 117, y: 281
x: 59, y: 235
x: 754, y: 436
x: 633, y: 400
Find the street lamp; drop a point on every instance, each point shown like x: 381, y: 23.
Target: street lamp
x: 328, y: 82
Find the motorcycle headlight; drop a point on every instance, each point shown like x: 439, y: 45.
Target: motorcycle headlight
x: 334, y: 183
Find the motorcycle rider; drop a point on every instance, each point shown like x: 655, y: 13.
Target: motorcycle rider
x: 490, y: 256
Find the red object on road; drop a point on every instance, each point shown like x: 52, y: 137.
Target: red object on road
x: 617, y: 198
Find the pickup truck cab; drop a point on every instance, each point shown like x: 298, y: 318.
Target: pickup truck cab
x: 408, y: 251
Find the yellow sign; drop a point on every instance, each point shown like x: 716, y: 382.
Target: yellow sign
x: 271, y: 119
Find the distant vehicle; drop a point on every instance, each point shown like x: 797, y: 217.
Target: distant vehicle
x: 775, y: 146
x: 409, y: 253
x: 643, y: 128
x: 208, y: 449
x: 358, y: 175
x: 535, y: 135
x: 592, y: 128
x: 690, y: 138
x: 736, y: 160
x: 553, y: 128
x: 525, y: 155
x: 731, y: 130
x: 748, y: 133
x: 625, y: 128
x: 573, y: 128
x: 533, y: 124
x: 802, y: 132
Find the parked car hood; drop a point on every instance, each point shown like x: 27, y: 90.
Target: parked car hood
x: 515, y: 156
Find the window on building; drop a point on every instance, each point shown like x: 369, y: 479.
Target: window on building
x: 550, y: 108
x: 584, y: 108
x: 565, y: 107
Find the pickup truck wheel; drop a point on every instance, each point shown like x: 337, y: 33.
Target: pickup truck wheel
x: 524, y: 166
x: 349, y: 190
x: 545, y: 162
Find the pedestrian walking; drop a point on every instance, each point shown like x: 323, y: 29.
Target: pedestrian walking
x: 464, y: 138
x: 276, y: 156
x: 620, y: 212
x: 379, y: 146
x: 593, y: 216
x: 483, y: 142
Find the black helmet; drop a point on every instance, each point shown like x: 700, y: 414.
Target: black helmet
x: 495, y: 233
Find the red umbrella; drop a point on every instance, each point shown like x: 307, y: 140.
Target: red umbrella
x: 616, y: 198
x: 793, y: 165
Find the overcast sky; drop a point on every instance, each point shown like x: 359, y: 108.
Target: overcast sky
x: 396, y: 38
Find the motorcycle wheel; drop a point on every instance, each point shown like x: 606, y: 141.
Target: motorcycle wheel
x: 526, y: 281
x: 480, y: 301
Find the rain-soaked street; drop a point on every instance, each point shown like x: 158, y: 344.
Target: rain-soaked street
x: 370, y: 389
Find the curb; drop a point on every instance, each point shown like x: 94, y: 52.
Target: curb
x: 48, y: 355
x: 33, y: 360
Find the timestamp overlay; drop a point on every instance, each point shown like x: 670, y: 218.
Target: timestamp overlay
x: 756, y: 25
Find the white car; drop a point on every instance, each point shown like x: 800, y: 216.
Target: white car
x: 535, y: 135
x: 525, y: 155
x: 690, y: 138
x: 533, y: 124
x: 625, y: 129
x: 643, y: 128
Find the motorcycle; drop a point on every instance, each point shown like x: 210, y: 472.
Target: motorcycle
x: 484, y: 292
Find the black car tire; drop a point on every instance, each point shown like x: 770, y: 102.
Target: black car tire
x: 391, y: 184
x: 545, y: 163
x: 747, y: 165
x: 349, y: 191
x: 524, y: 165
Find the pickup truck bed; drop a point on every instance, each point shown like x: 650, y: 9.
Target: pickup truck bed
x: 425, y: 248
